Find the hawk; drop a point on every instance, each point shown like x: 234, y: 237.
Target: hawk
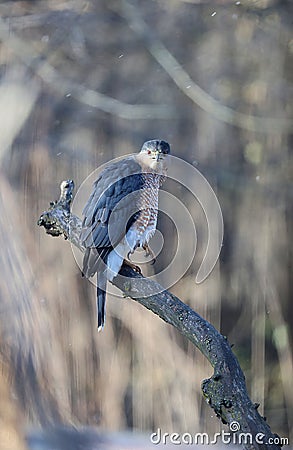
x: 121, y: 214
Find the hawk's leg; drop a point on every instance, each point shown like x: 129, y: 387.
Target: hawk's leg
x: 133, y: 266
x: 149, y: 252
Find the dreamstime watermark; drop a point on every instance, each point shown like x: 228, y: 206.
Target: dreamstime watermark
x: 232, y: 436
x: 187, y: 176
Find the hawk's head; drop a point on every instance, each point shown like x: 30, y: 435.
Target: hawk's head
x: 155, y: 154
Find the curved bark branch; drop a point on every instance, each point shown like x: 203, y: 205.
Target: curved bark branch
x: 31, y: 58
x: 225, y: 391
x: 131, y: 13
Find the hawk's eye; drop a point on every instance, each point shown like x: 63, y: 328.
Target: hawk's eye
x: 149, y: 152
x: 165, y: 147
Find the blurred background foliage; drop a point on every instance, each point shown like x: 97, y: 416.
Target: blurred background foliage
x: 83, y: 82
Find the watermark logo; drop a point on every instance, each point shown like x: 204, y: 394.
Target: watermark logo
x: 188, y: 177
x: 232, y: 436
x: 234, y: 426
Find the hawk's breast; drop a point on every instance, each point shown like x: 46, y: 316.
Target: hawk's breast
x: 148, y: 203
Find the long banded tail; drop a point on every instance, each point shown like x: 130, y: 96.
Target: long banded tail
x: 101, y: 303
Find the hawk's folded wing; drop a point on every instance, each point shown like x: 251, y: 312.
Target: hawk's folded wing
x: 113, y: 185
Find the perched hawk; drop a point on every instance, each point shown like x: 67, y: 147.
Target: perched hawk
x: 121, y: 214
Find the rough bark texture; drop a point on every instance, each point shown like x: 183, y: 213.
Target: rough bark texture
x: 226, y: 390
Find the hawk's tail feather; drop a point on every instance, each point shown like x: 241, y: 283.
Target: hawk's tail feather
x: 101, y: 302
x: 93, y: 260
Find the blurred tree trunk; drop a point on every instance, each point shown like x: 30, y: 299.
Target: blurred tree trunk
x: 11, y: 419
x: 24, y: 336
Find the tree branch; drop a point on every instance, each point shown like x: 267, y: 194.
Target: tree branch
x: 225, y: 391
x: 182, y: 79
x: 31, y: 58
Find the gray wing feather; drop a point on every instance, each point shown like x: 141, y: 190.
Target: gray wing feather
x: 114, y: 183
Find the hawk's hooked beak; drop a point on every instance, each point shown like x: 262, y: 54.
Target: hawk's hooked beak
x: 157, y: 155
